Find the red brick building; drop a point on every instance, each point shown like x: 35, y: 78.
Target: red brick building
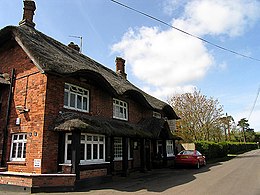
x: 66, y: 119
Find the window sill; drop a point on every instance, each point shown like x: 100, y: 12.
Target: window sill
x: 85, y: 163
x: 22, y: 163
x: 121, y: 119
x: 120, y: 159
x: 76, y: 109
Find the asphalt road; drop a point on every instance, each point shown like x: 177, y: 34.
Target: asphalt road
x: 239, y: 176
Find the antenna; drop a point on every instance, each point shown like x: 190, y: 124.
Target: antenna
x: 81, y: 41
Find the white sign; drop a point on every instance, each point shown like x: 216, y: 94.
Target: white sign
x: 37, y: 163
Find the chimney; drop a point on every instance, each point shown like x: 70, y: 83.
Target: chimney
x: 74, y: 46
x: 120, y: 67
x: 28, y: 12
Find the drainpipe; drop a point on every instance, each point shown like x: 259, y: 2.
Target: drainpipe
x: 4, y: 147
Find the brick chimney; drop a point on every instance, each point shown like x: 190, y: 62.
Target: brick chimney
x: 74, y: 46
x: 28, y: 12
x: 120, y: 67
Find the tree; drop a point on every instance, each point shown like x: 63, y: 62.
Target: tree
x: 200, y: 117
x: 243, y: 123
x: 227, y: 123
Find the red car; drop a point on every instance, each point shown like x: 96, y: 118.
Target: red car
x: 190, y: 157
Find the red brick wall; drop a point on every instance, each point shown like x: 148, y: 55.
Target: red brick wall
x: 16, y: 180
x: 29, y: 91
x: 38, y: 181
x: 93, y: 173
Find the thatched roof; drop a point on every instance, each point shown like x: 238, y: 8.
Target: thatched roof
x: 53, y: 57
x: 147, y: 128
x: 159, y: 128
x: 70, y: 121
x: 3, y: 81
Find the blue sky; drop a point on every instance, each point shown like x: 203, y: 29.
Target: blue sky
x: 159, y: 59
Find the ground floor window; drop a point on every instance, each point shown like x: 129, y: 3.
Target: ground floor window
x: 169, y: 148
x: 18, y: 147
x: 92, y: 148
x: 118, y: 149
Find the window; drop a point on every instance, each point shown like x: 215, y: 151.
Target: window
x: 169, y: 148
x: 76, y: 98
x: 18, y: 147
x: 118, y: 149
x: 120, y: 110
x: 160, y: 148
x: 157, y: 115
x: 92, y: 148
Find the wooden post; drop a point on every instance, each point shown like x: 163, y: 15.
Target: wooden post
x: 143, y: 155
x: 75, y: 153
x: 125, y: 157
x: 148, y: 155
x: 164, y: 153
x: 110, y: 154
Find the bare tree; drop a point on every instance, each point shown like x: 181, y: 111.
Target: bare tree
x: 200, y: 116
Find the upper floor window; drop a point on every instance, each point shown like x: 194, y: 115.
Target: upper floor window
x: 120, y: 110
x: 18, y: 147
x: 157, y: 115
x: 76, y: 98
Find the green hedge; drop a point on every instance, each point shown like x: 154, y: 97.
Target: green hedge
x: 214, y: 150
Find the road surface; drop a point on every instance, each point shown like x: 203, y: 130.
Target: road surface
x: 239, y: 176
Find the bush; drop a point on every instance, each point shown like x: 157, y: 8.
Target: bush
x: 214, y: 150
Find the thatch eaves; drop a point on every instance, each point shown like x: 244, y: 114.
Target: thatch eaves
x: 3, y: 80
x: 70, y: 121
x: 53, y: 57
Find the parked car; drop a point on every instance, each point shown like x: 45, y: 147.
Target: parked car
x: 190, y: 157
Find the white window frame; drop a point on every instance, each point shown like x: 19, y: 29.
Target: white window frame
x: 158, y: 145
x: 169, y: 148
x: 18, y: 138
x: 157, y: 115
x: 118, y: 149
x: 120, y: 109
x: 77, y: 92
x: 100, y: 141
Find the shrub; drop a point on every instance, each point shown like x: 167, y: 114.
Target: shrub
x: 214, y: 150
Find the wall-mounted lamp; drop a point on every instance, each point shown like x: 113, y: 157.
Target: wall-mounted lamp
x: 22, y: 109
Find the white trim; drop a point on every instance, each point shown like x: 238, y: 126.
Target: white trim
x: 36, y: 175
x: 79, y: 92
x: 15, y: 142
x: 169, y: 144
x: 120, y: 109
x: 87, y: 142
x: 121, y: 144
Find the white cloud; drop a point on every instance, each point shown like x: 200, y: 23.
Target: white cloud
x: 168, y: 59
x: 164, y: 58
x: 218, y: 17
x: 166, y: 93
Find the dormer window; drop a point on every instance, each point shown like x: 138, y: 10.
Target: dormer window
x: 76, y: 98
x: 157, y: 115
x: 120, y: 110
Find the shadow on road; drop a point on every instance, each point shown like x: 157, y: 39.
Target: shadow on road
x: 157, y: 180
